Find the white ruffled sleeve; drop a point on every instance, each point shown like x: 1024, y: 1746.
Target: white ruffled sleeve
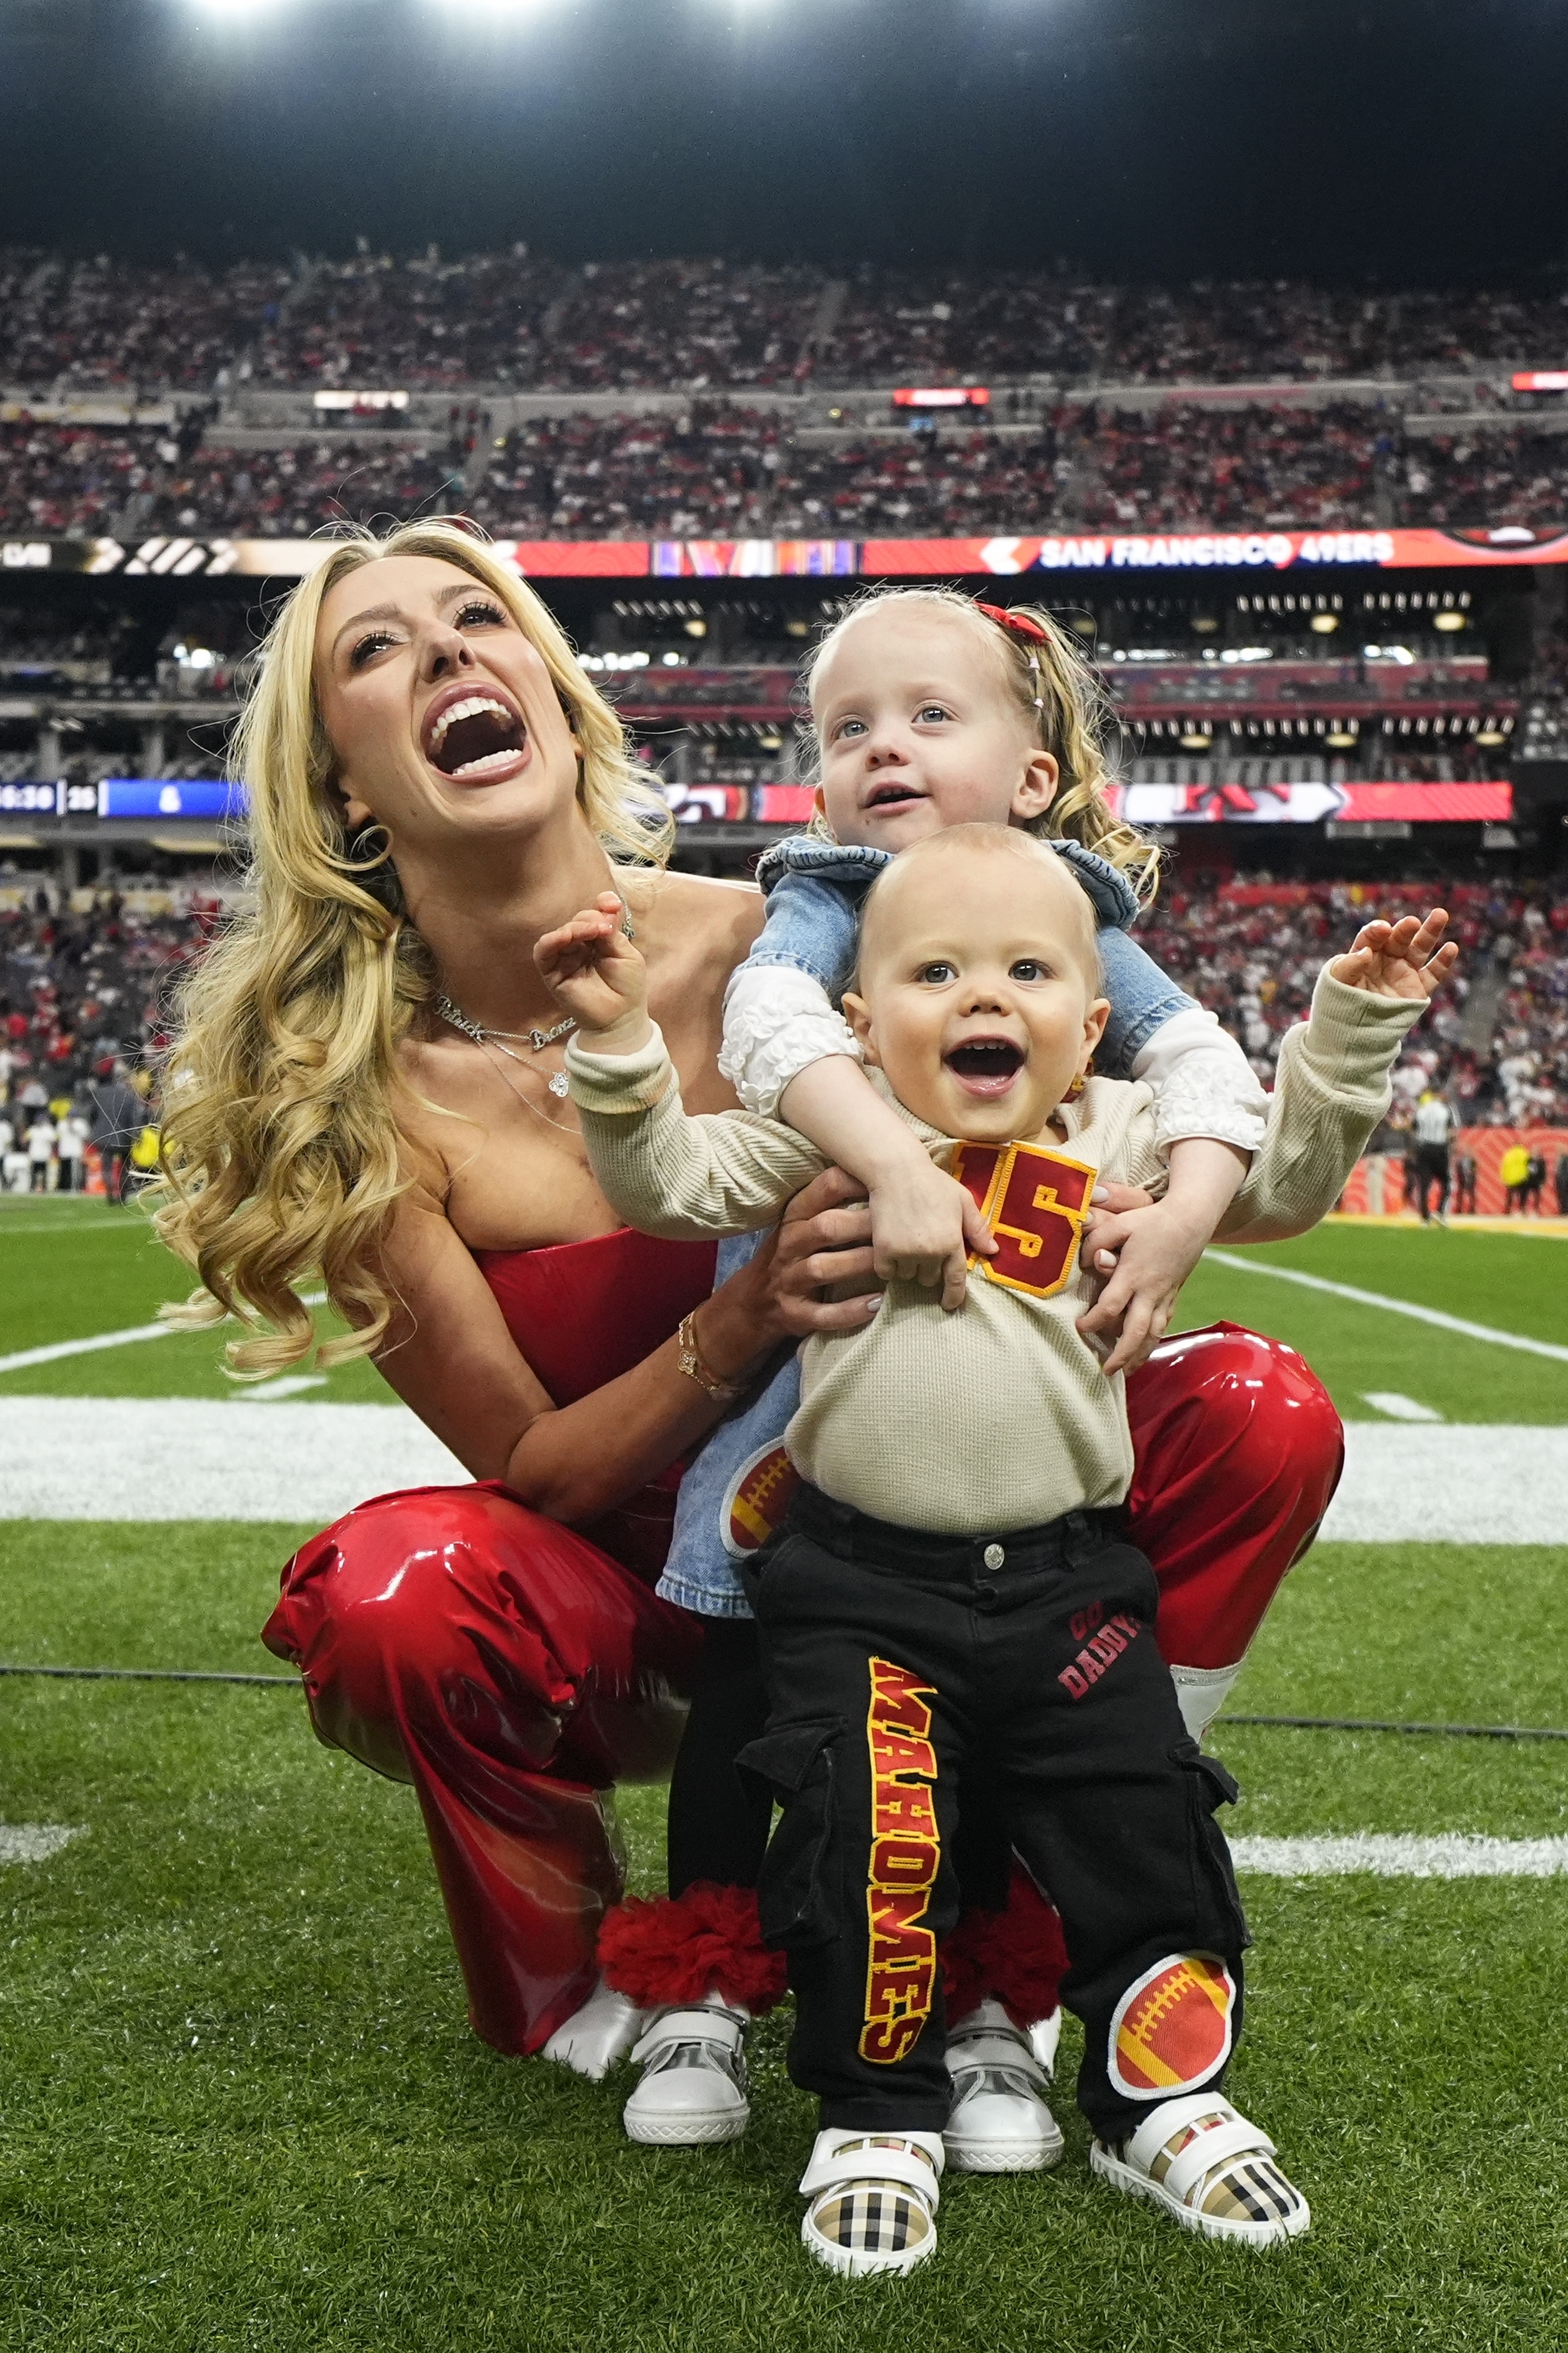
x: 1203, y: 1083
x: 778, y: 1020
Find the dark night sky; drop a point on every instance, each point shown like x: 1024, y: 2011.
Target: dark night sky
x: 1417, y: 142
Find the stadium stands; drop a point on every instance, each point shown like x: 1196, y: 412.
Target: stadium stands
x: 698, y: 399
x: 747, y: 408
x: 1251, y: 951
x: 719, y: 469
x: 515, y: 319
x: 85, y: 978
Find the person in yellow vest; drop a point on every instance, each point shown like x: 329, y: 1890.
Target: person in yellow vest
x: 145, y: 1151
x: 1514, y: 1170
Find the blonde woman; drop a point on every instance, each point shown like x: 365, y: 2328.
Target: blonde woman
x: 368, y: 1089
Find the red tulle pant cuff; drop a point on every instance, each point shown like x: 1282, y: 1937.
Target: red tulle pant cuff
x: 1016, y: 1957
x: 666, y: 1950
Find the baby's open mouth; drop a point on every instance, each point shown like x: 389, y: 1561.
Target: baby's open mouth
x: 893, y: 797
x: 985, y: 1066
x: 475, y: 736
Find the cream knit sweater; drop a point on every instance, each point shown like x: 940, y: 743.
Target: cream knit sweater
x: 997, y: 1416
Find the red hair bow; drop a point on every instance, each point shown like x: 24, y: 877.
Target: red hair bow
x: 1019, y: 623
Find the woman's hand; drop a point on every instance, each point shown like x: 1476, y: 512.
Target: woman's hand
x: 1404, y: 959
x: 823, y: 1238
x: 594, y: 973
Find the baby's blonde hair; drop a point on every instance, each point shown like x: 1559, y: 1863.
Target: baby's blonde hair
x: 977, y: 841
x: 1061, y: 695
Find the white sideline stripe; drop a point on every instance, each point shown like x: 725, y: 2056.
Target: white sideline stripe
x: 54, y: 1350
x: 1451, y: 1854
x: 1392, y: 1306
x: 34, y: 1841
x: 193, y: 1459
x: 1399, y: 1408
x: 196, y: 1459
x: 1451, y: 1482
x: 288, y: 1385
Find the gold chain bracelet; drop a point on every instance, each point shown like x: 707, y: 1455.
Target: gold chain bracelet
x: 691, y: 1362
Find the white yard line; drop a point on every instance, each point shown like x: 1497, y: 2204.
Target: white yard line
x: 194, y: 1459
x: 131, y: 1335
x: 1393, y: 1306
x: 1451, y: 1482
x: 56, y: 1349
x: 1399, y: 1408
x: 290, y: 1385
x: 34, y: 1841
x: 1451, y: 1854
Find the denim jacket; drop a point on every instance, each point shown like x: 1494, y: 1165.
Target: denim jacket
x: 814, y: 890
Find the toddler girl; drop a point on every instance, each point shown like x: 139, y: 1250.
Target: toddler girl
x: 930, y: 711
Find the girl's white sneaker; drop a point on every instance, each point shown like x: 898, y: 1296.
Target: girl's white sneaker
x: 693, y: 2087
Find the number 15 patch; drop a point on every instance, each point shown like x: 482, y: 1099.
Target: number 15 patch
x: 1036, y: 1203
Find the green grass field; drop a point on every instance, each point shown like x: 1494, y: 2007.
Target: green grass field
x: 242, y: 2109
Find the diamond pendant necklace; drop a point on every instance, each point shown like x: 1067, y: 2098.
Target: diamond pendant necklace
x: 535, y: 1039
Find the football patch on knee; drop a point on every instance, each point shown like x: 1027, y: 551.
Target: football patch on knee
x: 1173, y: 2027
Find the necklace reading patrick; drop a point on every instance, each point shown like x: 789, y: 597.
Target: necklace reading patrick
x: 535, y: 1039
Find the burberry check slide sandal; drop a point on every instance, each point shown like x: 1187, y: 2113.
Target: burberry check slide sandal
x: 693, y: 2087
x: 873, y: 2200
x: 1201, y: 2160
x: 998, y: 2122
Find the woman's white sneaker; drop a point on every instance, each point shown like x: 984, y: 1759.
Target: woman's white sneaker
x: 874, y: 2198
x: 693, y: 2087
x: 595, y: 2036
x: 1201, y: 2160
x: 998, y: 2122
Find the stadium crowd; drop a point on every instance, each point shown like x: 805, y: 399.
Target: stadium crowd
x: 66, y: 481
x: 718, y: 470
x: 1251, y: 953
x: 517, y: 319
x: 84, y: 991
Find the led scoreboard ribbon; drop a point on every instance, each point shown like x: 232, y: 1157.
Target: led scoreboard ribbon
x: 1036, y: 1203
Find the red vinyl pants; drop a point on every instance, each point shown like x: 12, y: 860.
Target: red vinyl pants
x: 514, y: 1672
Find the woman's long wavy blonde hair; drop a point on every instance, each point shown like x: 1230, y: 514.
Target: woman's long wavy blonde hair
x: 1062, y: 695
x: 281, y: 1155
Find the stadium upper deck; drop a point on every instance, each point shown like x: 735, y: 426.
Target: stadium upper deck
x: 517, y: 321
x: 685, y: 424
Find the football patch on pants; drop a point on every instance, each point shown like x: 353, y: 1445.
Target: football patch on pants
x: 1172, y: 2028
x: 756, y: 1499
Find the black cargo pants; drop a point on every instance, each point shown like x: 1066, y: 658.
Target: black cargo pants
x: 897, y: 1662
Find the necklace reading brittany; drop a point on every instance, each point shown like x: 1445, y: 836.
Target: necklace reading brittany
x: 535, y: 1039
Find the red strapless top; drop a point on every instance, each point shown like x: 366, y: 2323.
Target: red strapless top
x: 583, y: 1312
